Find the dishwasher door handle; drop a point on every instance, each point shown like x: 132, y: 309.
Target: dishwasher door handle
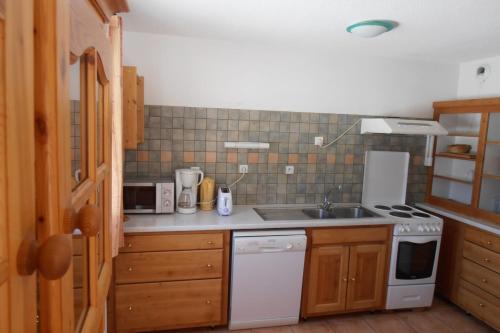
x: 268, y: 249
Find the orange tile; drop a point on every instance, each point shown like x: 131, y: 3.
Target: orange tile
x: 349, y: 159
x: 166, y: 156
x: 143, y: 155
x: 293, y: 158
x: 232, y: 157
x: 330, y: 158
x: 312, y: 158
x: 417, y: 160
x: 253, y: 158
x: 189, y: 156
x: 210, y: 157
x: 272, y: 158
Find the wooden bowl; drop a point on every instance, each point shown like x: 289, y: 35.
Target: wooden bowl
x: 459, y: 149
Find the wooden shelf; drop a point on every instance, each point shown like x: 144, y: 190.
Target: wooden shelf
x: 467, y: 134
x: 457, y: 156
x: 453, y: 179
x: 486, y: 175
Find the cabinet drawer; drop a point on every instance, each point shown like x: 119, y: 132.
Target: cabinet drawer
x: 168, y: 266
x: 156, y: 306
x: 172, y: 242
x: 482, y: 238
x: 479, y: 303
x: 481, y: 277
x: 482, y: 256
x: 350, y: 235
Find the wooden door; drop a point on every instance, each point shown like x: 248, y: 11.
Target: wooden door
x: 17, y: 182
x: 367, y: 266
x: 328, y: 270
x: 72, y: 71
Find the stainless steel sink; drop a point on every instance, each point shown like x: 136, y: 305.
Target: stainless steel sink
x: 319, y: 213
x: 352, y: 212
x: 339, y: 212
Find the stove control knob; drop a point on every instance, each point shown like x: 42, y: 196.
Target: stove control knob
x: 401, y: 228
x: 426, y: 228
x: 407, y: 228
x: 438, y: 228
x: 420, y: 228
x: 433, y: 228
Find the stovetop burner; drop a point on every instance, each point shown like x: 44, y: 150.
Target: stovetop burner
x: 383, y: 207
x: 419, y: 214
x: 403, y: 208
x: 400, y: 214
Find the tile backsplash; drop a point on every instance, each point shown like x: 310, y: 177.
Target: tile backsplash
x: 179, y: 137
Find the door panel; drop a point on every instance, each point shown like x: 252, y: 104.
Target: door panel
x: 367, y: 265
x: 17, y: 223
x: 327, y: 279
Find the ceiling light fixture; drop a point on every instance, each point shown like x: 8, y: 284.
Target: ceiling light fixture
x: 371, y: 28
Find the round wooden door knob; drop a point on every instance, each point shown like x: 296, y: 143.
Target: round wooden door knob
x: 88, y: 220
x: 52, y: 258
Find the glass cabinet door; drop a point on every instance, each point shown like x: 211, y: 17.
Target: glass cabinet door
x: 489, y: 198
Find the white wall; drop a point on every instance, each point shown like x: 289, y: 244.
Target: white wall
x: 469, y: 86
x: 208, y: 73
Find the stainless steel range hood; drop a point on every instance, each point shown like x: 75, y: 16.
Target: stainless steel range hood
x: 401, y: 126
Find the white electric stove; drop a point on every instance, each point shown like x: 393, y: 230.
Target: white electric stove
x: 416, y: 236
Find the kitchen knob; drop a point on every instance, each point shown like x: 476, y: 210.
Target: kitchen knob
x: 407, y: 228
x: 209, y: 302
x: 88, y: 219
x: 344, y: 279
x: 484, y: 280
x: 130, y: 269
x: 488, y: 242
x: 210, y: 243
x: 438, y: 228
x: 401, y: 228
x: 209, y: 266
x: 433, y: 228
x: 353, y: 279
x: 289, y: 246
x: 167, y: 203
x: 420, y: 228
x: 130, y: 308
x: 426, y: 227
x: 129, y: 245
x: 481, y: 305
x: 486, y: 260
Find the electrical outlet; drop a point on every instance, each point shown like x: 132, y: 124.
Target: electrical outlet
x: 289, y: 170
x: 318, y: 141
x: 243, y: 168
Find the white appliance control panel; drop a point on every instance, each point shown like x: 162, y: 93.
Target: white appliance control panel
x: 420, y: 228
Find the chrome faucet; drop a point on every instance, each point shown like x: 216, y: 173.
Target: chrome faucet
x: 327, y: 204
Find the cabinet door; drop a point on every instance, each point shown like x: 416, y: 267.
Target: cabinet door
x: 327, y: 279
x: 367, y: 265
x: 450, y: 257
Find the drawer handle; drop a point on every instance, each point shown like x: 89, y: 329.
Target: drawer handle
x: 484, y: 280
x: 486, y: 260
x: 130, y: 308
x: 209, y: 266
x: 210, y: 243
x: 481, y: 305
x: 488, y: 242
x: 130, y: 269
x: 353, y: 279
x: 129, y: 245
x: 344, y: 279
x: 209, y: 302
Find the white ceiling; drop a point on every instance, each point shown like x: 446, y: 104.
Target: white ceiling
x: 440, y: 30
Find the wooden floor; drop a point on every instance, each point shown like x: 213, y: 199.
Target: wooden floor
x: 442, y: 317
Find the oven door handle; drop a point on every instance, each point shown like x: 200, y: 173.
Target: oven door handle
x: 417, y: 239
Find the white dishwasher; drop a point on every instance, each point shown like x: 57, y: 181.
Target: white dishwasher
x: 266, y: 278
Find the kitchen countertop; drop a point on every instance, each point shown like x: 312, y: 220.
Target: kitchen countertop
x: 480, y: 224
x: 243, y: 217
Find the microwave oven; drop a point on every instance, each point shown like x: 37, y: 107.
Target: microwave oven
x: 142, y: 196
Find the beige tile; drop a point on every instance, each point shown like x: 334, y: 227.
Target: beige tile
x: 387, y: 323
x: 349, y: 324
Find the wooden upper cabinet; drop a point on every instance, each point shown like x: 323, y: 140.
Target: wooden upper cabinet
x: 468, y: 183
x: 328, y: 279
x: 366, y: 276
x: 133, y: 108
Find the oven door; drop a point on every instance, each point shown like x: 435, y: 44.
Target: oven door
x: 414, y: 260
x: 139, y: 198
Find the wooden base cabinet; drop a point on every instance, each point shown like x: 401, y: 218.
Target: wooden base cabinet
x: 172, y: 280
x: 346, y: 270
